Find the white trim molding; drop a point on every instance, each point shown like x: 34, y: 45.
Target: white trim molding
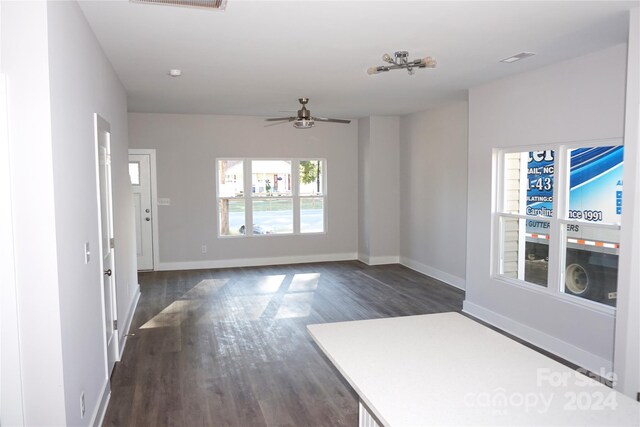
x: 127, y: 324
x: 101, y: 409
x: 627, y: 333
x: 378, y: 260
x: 580, y: 357
x: 254, y: 262
x: 12, y: 409
x: 449, y: 279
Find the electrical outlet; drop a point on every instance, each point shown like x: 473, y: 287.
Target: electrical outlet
x: 204, y: 249
x: 87, y: 253
x: 82, y: 405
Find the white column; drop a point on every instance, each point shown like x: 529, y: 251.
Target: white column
x: 627, y: 334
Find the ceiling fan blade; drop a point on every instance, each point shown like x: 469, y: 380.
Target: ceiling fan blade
x: 325, y: 119
x: 275, y: 119
x: 281, y: 122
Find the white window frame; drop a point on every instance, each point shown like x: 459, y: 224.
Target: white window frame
x: 295, y: 196
x: 558, y: 220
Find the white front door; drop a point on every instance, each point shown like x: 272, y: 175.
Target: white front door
x: 103, y: 135
x: 140, y: 175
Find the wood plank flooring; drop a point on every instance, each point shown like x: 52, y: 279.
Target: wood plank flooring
x: 229, y: 347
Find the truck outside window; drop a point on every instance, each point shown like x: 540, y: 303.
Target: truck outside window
x: 565, y: 202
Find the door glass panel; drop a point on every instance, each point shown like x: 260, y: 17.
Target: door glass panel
x: 134, y: 173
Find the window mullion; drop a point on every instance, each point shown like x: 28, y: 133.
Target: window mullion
x: 556, y: 236
x: 248, y: 198
x: 295, y: 189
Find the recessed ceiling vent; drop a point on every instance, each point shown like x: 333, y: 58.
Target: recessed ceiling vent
x: 202, y: 4
x: 518, y: 57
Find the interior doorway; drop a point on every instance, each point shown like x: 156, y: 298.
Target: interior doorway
x: 142, y: 176
x: 107, y: 249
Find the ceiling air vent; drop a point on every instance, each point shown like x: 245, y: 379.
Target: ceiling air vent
x: 203, y: 4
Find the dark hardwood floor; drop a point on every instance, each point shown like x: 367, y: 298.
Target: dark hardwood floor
x: 230, y: 346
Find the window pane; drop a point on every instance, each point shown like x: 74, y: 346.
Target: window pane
x: 311, y: 215
x: 524, y: 251
x: 529, y: 183
x: 134, y: 173
x: 271, y: 178
x: 311, y: 172
x: 591, y: 267
x: 231, y: 216
x: 596, y: 184
x: 272, y: 216
x: 230, y: 178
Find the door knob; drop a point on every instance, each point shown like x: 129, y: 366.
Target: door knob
x: 108, y: 272
x: 148, y: 219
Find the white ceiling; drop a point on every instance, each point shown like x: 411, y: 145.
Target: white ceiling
x: 258, y: 57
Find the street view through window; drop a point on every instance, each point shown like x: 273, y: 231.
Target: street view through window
x: 586, y: 230
x: 284, y: 197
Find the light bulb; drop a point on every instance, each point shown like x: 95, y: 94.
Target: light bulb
x: 429, y: 62
x: 387, y: 58
x: 372, y: 70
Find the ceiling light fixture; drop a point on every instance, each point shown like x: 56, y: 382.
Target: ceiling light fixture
x: 517, y: 57
x: 401, y: 61
x: 202, y: 4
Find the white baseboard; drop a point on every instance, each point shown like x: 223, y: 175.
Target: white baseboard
x: 378, y: 260
x: 254, y: 262
x: 447, y: 278
x: 101, y: 409
x: 127, y: 324
x: 580, y: 357
x: 381, y: 260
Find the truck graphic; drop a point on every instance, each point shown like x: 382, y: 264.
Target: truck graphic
x: 595, y: 198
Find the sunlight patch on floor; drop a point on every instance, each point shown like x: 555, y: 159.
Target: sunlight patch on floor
x: 173, y: 315
x: 268, y: 284
x: 304, y: 282
x: 295, y: 305
x: 176, y: 312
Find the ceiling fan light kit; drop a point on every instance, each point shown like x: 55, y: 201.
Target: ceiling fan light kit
x: 401, y: 61
x: 304, y: 119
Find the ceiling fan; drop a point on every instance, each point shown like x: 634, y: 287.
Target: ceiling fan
x: 304, y: 119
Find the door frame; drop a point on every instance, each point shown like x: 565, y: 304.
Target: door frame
x: 101, y: 124
x: 11, y: 400
x: 155, y: 239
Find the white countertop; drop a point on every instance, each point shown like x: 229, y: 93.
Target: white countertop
x: 446, y: 369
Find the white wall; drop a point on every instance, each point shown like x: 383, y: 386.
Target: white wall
x: 25, y: 62
x: 364, y: 195
x: 433, y: 192
x: 576, y: 100
x: 83, y: 83
x: 627, y: 343
x: 378, y: 181
x: 187, y: 147
x: 57, y: 78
